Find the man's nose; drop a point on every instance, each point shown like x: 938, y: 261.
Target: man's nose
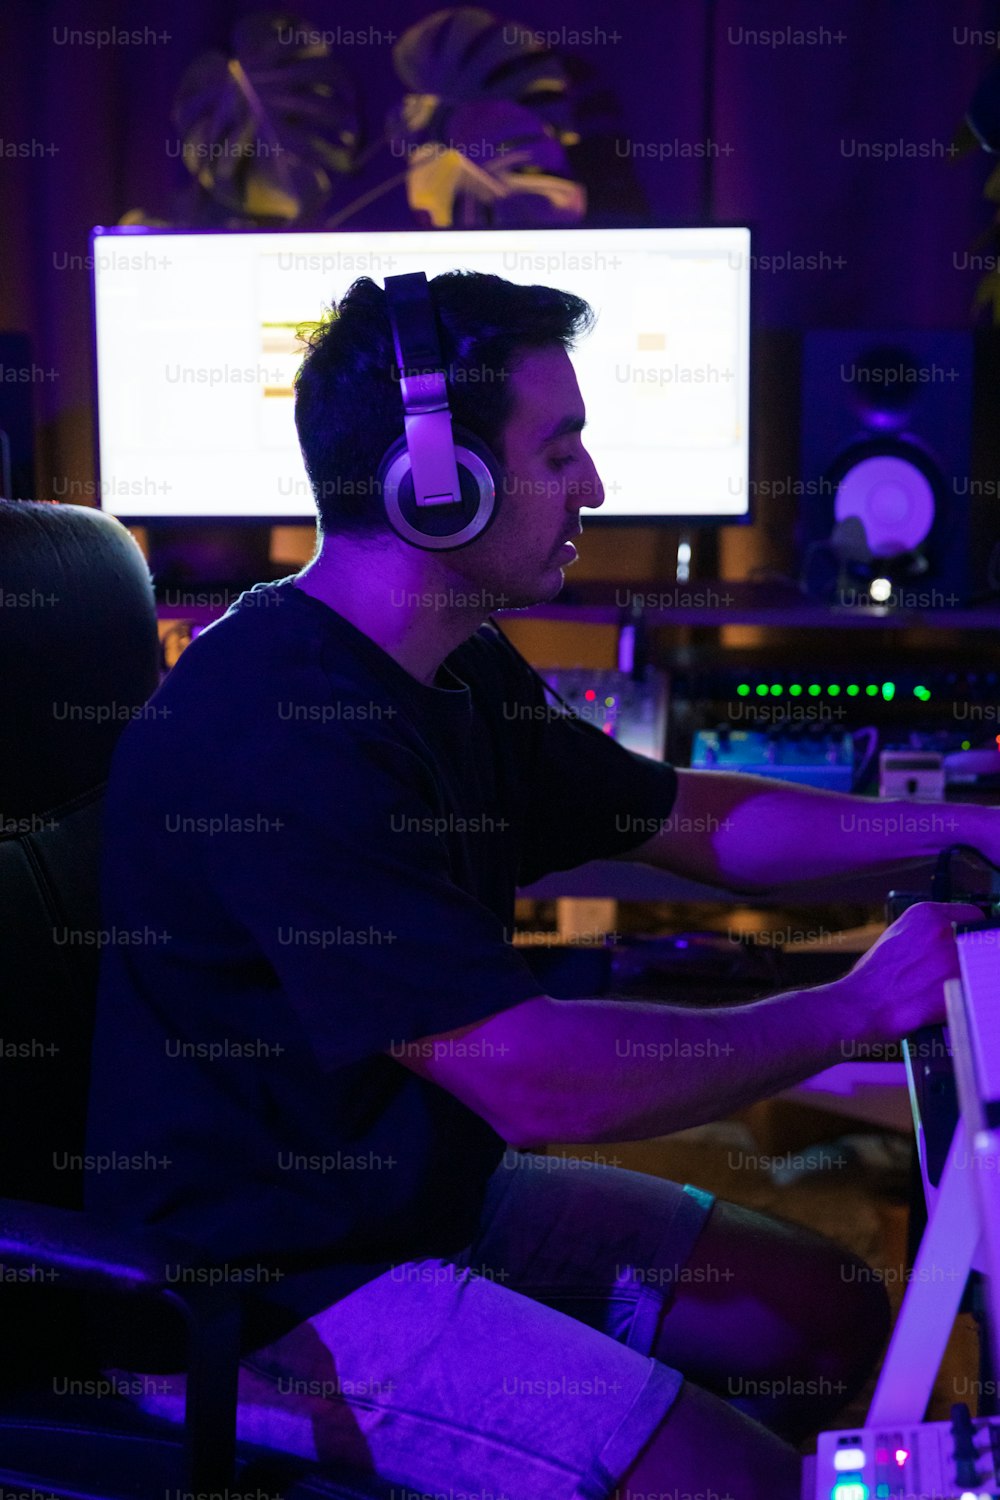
x: 588, y: 492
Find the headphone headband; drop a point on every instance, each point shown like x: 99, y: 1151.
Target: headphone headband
x: 414, y: 332
x: 426, y: 415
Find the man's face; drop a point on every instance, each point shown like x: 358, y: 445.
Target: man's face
x: 550, y: 478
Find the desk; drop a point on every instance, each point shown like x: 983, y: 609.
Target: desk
x: 615, y: 880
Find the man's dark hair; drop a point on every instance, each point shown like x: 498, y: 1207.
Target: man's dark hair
x: 348, y: 402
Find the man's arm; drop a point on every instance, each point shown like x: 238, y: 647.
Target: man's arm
x: 595, y: 1070
x: 749, y: 833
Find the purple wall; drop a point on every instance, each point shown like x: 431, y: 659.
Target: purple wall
x: 785, y: 125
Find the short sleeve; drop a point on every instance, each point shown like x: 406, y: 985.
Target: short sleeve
x: 350, y: 896
x: 589, y: 797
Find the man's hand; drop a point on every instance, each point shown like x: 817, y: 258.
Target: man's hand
x: 899, y: 983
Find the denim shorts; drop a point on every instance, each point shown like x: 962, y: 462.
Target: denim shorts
x: 519, y: 1368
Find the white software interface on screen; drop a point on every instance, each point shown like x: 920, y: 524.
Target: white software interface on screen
x: 197, y: 348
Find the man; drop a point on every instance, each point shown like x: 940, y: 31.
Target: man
x: 326, y: 1038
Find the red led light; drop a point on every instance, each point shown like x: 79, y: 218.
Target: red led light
x: 590, y: 695
x: 902, y: 1454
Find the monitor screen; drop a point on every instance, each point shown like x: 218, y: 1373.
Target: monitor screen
x: 197, y: 347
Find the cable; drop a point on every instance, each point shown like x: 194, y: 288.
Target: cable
x: 869, y: 755
x: 546, y: 686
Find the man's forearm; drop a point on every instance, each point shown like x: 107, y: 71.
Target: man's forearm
x: 629, y: 1071
x: 597, y: 1070
x: 780, y: 834
x: 750, y: 833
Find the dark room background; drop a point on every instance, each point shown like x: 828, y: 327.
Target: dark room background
x: 846, y: 236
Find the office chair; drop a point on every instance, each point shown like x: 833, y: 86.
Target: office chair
x: 78, y: 1292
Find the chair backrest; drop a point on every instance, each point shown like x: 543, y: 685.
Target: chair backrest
x: 78, y: 656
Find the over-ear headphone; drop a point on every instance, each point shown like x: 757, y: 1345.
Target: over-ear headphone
x: 440, y: 484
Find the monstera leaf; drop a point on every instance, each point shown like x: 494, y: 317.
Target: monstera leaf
x: 501, y: 168
x: 484, y: 124
x: 465, y: 54
x: 266, y: 130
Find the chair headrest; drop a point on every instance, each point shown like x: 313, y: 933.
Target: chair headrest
x: 78, y: 649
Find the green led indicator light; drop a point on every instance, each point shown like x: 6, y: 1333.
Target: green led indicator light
x: 814, y: 690
x: 609, y: 703
x: 761, y: 690
x: 776, y: 690
x: 833, y: 690
x: 796, y: 690
x: 966, y: 744
x: 888, y: 691
x: 850, y: 1489
x: 743, y: 691
x: 853, y: 690
x: 871, y: 690
x: 922, y: 693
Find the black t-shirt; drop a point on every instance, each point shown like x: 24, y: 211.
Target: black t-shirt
x: 310, y: 861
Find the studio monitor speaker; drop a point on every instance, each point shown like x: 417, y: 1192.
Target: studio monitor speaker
x: 900, y: 462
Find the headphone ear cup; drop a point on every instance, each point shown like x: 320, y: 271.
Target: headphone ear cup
x: 442, y: 528
x: 464, y: 439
